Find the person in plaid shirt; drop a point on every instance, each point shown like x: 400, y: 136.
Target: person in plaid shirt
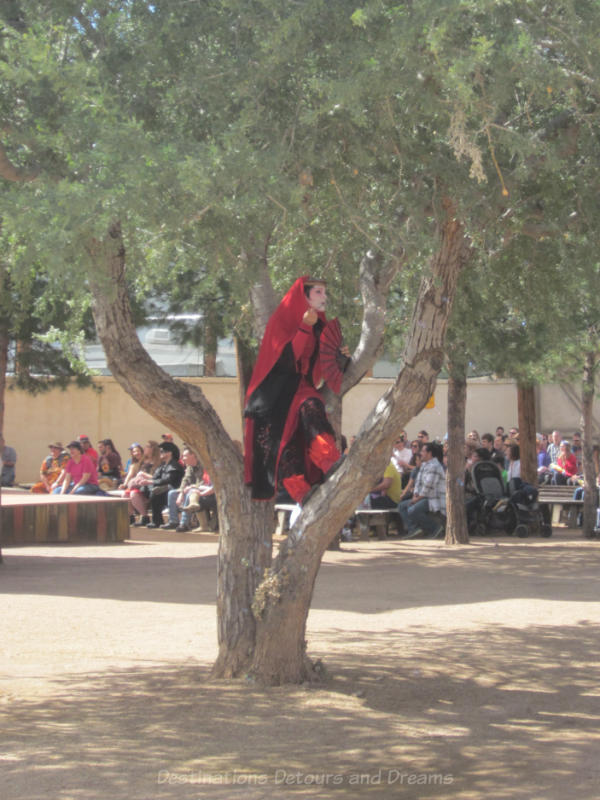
x: 429, y: 494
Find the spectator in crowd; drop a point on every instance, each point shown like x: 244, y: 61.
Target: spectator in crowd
x: 487, y: 441
x: 500, y: 431
x: 51, y: 469
x: 565, y: 466
x: 543, y: 461
x: 554, y: 446
x: 415, y: 463
x: 141, y: 484
x: 513, y: 433
x: 8, y: 455
x: 577, y: 450
x: 80, y: 474
x: 401, y: 457
x: 387, y: 492
x: 203, y: 499
x: 134, y: 465
x: 110, y: 466
x: 178, y: 498
x: 429, y: 494
x: 473, y: 436
x: 87, y: 448
x: 423, y: 437
x: 167, y: 476
x: 514, y: 461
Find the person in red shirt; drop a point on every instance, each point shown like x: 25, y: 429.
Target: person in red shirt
x: 565, y: 466
x: 80, y: 474
x: 87, y: 448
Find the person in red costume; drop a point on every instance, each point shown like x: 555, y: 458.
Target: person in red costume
x: 289, y: 442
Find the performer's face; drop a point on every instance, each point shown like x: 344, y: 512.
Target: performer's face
x: 317, y: 297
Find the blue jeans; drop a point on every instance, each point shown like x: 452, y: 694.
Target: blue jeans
x: 173, y: 507
x: 87, y: 488
x: 416, y: 515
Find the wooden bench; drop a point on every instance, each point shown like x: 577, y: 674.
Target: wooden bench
x: 378, y: 518
x: 557, y: 497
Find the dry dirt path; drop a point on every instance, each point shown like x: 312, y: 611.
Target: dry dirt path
x: 450, y: 673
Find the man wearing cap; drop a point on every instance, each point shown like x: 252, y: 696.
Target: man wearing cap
x: 51, y: 469
x: 80, y: 474
x: 87, y: 449
x: 167, y: 476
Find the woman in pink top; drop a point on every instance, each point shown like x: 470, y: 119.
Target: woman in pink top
x: 80, y: 474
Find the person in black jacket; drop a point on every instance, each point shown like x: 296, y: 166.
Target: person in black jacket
x: 167, y: 476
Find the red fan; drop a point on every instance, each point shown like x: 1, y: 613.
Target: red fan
x: 332, y: 361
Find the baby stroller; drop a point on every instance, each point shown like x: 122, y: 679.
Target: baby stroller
x: 514, y: 512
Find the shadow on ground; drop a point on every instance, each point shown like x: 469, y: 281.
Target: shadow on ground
x: 502, y: 714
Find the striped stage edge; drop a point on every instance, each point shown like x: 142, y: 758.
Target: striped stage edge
x: 33, y: 519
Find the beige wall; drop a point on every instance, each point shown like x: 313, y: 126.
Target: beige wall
x: 31, y: 423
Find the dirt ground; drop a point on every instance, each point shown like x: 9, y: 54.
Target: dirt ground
x: 466, y: 672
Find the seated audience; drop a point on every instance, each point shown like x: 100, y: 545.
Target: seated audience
x: 203, y: 499
x: 110, y: 466
x: 80, y: 474
x: 429, y: 494
x: 179, y: 498
x: 134, y: 465
x: 8, y: 456
x: 51, y: 469
x: 565, y: 466
x: 167, y: 476
x: 514, y: 461
x: 543, y: 460
x: 140, y: 485
x: 388, y: 491
x: 87, y: 448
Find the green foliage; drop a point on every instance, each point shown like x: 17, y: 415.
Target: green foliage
x: 229, y: 131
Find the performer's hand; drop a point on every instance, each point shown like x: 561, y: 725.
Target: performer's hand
x: 310, y: 317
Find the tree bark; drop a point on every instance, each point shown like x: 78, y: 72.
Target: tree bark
x: 527, y: 441
x: 283, y: 599
x: 589, y: 468
x: 456, y: 516
x: 245, y: 527
x: 4, y: 342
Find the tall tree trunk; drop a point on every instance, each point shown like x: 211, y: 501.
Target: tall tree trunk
x: 4, y: 342
x: 245, y: 527
x: 527, y: 442
x: 210, y: 349
x: 456, y: 516
x: 283, y: 599
x: 589, y: 468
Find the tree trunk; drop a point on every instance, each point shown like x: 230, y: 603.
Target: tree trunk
x: 456, y: 515
x: 245, y: 527
x: 589, y: 468
x: 283, y: 599
x: 4, y: 342
x: 210, y: 349
x: 527, y: 442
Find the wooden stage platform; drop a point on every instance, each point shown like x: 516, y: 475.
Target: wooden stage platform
x: 35, y: 518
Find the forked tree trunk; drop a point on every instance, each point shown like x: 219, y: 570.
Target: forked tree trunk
x: 456, y: 516
x: 283, y: 600
x: 589, y: 468
x: 527, y: 442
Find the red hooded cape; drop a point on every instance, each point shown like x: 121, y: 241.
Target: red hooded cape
x: 281, y: 328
